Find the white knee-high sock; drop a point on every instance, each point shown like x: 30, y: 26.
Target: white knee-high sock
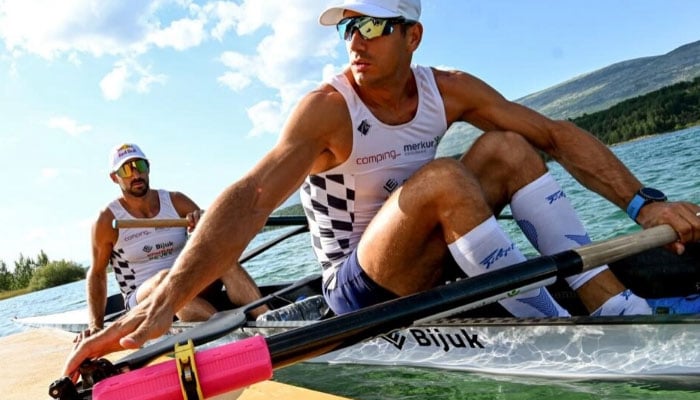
x: 486, y: 248
x: 549, y: 221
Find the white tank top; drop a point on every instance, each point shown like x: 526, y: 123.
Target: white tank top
x: 340, y: 203
x: 141, y: 252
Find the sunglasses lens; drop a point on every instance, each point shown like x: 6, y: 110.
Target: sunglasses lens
x: 141, y: 166
x: 367, y: 27
x: 345, y: 28
x: 126, y: 170
x: 371, y: 28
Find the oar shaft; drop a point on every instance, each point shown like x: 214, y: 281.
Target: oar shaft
x: 283, y: 220
x: 149, y: 223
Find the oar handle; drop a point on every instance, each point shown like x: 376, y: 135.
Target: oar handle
x: 277, y: 220
x: 611, y: 250
x: 149, y: 223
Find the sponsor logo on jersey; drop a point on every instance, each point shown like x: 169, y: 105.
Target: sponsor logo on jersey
x: 364, y: 127
x: 421, y: 147
x: 391, y: 185
x: 377, y: 158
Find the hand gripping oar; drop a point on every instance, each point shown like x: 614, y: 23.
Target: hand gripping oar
x: 262, y: 355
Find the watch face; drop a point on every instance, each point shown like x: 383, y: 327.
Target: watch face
x: 652, y: 194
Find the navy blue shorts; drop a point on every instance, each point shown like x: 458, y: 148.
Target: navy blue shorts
x: 353, y: 289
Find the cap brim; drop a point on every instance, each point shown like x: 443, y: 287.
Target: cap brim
x: 333, y: 15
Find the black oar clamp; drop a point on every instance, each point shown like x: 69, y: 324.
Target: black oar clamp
x: 91, y: 372
x: 187, y: 371
x: 64, y: 389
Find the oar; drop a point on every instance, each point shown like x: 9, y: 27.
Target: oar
x: 344, y: 330
x: 282, y: 220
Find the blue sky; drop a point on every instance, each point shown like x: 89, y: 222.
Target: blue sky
x: 204, y: 86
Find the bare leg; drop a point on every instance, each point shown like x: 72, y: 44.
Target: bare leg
x: 196, y: 310
x: 241, y: 289
x: 405, y: 244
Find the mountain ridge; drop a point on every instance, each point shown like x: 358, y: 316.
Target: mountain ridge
x: 605, y: 87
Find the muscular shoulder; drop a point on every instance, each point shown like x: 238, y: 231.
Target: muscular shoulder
x: 464, y: 94
x: 321, y: 122
x: 102, y: 228
x: 324, y: 107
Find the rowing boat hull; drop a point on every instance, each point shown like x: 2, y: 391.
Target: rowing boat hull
x: 610, y: 348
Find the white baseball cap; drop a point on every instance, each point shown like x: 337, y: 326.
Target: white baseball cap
x: 123, y: 153
x: 409, y: 9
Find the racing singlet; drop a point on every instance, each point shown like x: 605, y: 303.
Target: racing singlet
x: 141, y: 252
x: 340, y: 203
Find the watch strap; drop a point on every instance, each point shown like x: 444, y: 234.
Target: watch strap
x: 635, y: 205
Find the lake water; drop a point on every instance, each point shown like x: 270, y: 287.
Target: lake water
x: 670, y: 162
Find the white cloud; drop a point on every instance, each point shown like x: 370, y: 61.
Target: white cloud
x: 226, y: 13
x: 180, y: 35
x: 68, y: 125
x: 265, y: 117
x: 113, y: 83
x: 128, y: 75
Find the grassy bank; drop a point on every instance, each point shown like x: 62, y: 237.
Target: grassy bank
x: 12, y: 293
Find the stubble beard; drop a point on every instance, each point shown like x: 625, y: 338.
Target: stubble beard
x: 141, y: 192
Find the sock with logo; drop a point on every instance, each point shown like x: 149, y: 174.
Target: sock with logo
x: 625, y: 303
x: 487, y: 248
x: 549, y: 221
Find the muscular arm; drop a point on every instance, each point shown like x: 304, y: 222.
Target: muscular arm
x: 587, y: 159
x: 186, y: 208
x: 103, y: 239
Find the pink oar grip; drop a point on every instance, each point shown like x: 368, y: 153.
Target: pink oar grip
x: 221, y: 369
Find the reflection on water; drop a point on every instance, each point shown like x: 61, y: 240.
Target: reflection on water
x: 381, y: 383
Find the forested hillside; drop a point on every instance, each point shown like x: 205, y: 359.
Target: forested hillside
x: 667, y: 109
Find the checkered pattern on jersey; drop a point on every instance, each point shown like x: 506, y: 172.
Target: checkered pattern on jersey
x: 124, y: 274
x: 329, y: 202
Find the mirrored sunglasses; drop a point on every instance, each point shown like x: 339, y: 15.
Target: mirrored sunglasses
x: 127, y: 169
x: 367, y: 27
